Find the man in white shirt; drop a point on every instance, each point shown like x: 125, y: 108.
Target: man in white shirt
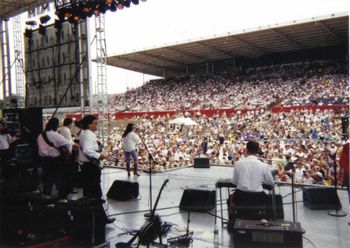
x: 54, y: 170
x: 249, y: 176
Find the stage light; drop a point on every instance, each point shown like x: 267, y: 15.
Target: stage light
x: 28, y: 33
x: 102, y: 8
x: 113, y: 7
x: 126, y: 3
x: 67, y: 15
x: 74, y: 9
x: 42, y: 30
x: 96, y: 12
x: 44, y: 19
x: 31, y: 23
x: 120, y: 5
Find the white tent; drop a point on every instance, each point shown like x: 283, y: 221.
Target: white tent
x: 183, y: 120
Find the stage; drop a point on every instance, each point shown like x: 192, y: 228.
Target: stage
x: 321, y: 229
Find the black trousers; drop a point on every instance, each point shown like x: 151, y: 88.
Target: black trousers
x: 240, y: 197
x: 91, y: 180
x: 58, y: 173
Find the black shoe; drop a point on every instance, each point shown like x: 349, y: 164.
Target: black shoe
x: 109, y: 220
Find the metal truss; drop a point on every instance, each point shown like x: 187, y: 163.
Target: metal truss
x: 101, y: 83
x: 19, y: 69
x: 5, y: 59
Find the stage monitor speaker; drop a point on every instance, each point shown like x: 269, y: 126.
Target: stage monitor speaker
x: 198, y: 200
x: 276, y: 234
x: 201, y: 163
x: 123, y: 190
x: 321, y: 198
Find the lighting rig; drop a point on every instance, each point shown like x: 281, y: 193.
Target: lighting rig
x: 75, y: 10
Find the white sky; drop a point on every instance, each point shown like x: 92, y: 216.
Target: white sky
x: 158, y: 22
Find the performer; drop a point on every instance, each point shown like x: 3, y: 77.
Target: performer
x: 5, y: 141
x: 249, y: 176
x: 130, y: 140
x: 89, y: 156
x: 50, y: 144
x: 65, y: 131
x: 344, y: 166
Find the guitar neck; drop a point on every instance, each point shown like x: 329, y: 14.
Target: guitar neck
x: 156, y: 203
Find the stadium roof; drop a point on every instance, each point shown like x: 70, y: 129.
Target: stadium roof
x: 9, y: 8
x: 172, y: 59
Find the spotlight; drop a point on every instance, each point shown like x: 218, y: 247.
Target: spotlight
x: 44, y: 19
x: 42, y: 30
x: 109, y: 1
x: 96, y: 12
x: 120, y: 5
x: 113, y: 7
x: 28, y: 33
x: 102, y: 7
x: 31, y: 23
x: 126, y: 3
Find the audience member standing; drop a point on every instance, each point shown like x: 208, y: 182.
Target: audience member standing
x: 130, y: 140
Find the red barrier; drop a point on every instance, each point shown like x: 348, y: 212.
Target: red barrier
x: 212, y: 112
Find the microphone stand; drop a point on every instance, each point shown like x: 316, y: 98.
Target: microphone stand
x: 151, y: 162
x: 337, y: 212
x: 293, y: 194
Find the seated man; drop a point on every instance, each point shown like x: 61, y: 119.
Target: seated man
x: 249, y: 176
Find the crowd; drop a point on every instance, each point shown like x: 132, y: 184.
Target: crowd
x: 303, y: 138
x: 308, y: 83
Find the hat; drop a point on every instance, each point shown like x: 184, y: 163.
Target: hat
x: 319, y: 174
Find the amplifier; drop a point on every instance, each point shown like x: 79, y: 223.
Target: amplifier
x: 281, y: 234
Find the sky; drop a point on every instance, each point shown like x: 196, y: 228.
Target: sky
x: 159, y: 22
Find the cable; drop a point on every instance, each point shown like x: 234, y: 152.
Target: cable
x: 142, y: 211
x: 312, y: 243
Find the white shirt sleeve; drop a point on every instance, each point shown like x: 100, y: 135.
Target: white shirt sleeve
x: 89, y: 146
x: 268, y: 179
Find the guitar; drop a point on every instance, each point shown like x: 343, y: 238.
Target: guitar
x: 150, y: 230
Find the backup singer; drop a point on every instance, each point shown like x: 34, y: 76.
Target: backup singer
x: 130, y: 140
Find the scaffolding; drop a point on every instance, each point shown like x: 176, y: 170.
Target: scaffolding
x: 101, y: 83
x: 5, y: 59
x: 19, y: 69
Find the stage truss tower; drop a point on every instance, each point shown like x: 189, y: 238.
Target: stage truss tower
x: 19, y: 66
x: 5, y: 59
x: 101, y: 83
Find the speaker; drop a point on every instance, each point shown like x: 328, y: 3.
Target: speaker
x: 201, y: 163
x: 279, y: 207
x: 87, y: 223
x: 28, y: 123
x: 321, y: 198
x: 198, y: 200
x: 123, y: 190
x: 276, y: 234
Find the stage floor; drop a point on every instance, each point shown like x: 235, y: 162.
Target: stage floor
x: 321, y: 229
